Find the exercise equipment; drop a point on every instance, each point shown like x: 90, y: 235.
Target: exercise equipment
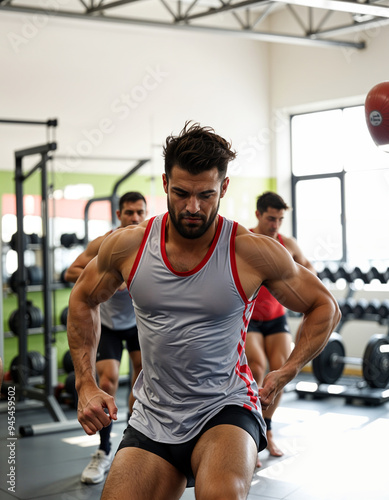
x: 70, y: 389
x: 375, y: 365
x: 383, y: 310
x: 328, y: 366
x: 64, y: 316
x: 35, y: 366
x: 69, y: 240
x: 34, y: 277
x: 377, y: 113
x: 353, y: 307
x: 373, y: 306
x: 24, y: 388
x: 62, y: 277
x: 33, y: 318
x: 67, y: 362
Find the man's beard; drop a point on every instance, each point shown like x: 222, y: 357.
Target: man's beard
x: 191, y: 231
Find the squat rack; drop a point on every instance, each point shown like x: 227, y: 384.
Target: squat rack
x: 46, y: 395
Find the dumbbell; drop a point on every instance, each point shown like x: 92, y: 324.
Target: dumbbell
x: 69, y: 240
x: 334, y: 275
x: 326, y: 273
x: 357, y: 274
x: 351, y: 306
x: 34, y: 239
x: 373, y: 306
x: 383, y: 310
x: 35, y: 366
x: 14, y: 245
x: 374, y: 274
x: 328, y: 366
x: 34, y: 318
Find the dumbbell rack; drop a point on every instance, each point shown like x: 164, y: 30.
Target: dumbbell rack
x: 352, y: 389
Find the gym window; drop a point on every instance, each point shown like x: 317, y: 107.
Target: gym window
x: 340, y: 184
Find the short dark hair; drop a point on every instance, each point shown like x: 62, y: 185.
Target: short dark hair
x: 130, y: 197
x: 197, y: 149
x: 270, y: 199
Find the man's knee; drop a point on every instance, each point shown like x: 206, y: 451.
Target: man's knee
x: 108, y: 383
x: 227, y: 487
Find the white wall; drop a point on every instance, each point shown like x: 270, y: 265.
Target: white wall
x: 135, y: 85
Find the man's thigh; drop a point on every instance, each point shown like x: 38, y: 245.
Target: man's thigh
x: 141, y: 475
x: 223, y: 462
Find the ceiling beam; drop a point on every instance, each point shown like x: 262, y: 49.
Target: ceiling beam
x: 312, y: 40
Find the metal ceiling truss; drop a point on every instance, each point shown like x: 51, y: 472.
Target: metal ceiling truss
x: 311, y: 22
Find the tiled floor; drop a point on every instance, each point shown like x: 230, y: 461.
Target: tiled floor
x: 333, y: 451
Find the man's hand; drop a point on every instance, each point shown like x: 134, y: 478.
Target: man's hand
x: 272, y: 385
x: 96, y: 409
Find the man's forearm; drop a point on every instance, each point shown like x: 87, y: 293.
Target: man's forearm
x: 83, y: 336
x: 311, y: 338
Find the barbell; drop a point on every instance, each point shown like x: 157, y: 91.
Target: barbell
x: 328, y: 366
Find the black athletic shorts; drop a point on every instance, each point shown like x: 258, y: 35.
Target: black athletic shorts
x: 277, y: 325
x: 179, y: 455
x: 111, y: 343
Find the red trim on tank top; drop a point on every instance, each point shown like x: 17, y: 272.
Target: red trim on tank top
x: 140, y: 251
x: 234, y: 267
x: 205, y: 259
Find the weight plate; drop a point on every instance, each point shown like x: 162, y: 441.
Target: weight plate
x: 375, y: 363
x: 67, y: 362
x: 64, y: 316
x: 326, y: 369
x: 36, y: 362
x: 34, y: 275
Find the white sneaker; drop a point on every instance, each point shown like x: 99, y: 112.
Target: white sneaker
x: 94, y: 472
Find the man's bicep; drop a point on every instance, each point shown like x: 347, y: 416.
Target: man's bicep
x: 97, y: 284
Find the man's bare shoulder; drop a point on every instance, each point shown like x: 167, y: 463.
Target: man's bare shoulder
x: 247, y: 240
x: 262, y: 253
x: 124, y: 240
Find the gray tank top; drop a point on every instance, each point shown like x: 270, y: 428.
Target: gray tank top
x: 192, y: 331
x: 118, y: 312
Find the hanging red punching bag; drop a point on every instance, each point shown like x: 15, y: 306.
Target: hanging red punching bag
x: 377, y: 113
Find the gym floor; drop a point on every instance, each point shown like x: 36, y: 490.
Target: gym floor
x: 334, y: 449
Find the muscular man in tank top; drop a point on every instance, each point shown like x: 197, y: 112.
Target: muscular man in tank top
x: 197, y: 418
